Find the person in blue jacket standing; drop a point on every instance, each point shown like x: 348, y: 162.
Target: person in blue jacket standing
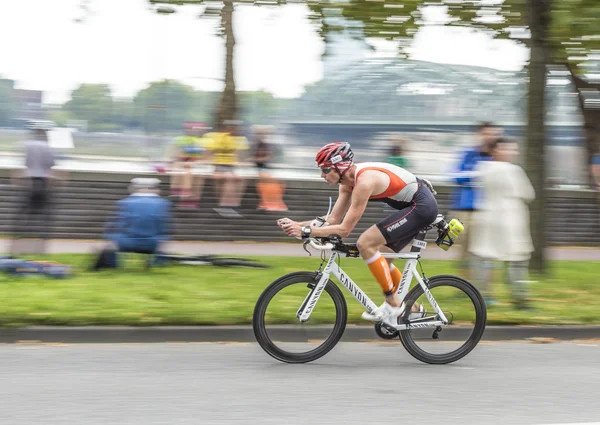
x: 464, y: 198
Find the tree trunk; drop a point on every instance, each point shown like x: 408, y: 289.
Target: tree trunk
x: 539, y: 20
x: 227, y: 109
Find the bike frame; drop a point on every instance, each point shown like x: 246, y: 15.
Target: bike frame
x: 410, y: 271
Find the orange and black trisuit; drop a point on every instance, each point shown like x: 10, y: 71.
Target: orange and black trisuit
x: 416, y: 208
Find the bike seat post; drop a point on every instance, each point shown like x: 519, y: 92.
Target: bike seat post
x: 420, y: 237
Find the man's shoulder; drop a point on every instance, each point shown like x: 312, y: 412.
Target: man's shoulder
x: 33, y: 143
x: 471, y: 152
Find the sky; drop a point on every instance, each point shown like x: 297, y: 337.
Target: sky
x: 126, y: 45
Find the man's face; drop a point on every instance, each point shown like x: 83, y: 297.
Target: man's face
x: 330, y: 175
x: 231, y: 129
x: 41, y: 135
x: 489, y: 134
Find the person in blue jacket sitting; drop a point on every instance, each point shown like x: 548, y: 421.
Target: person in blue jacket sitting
x: 142, y: 222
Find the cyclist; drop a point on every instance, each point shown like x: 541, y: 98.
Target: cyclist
x: 359, y: 183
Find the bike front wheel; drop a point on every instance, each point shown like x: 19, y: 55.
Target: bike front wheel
x: 281, y: 334
x: 463, y: 306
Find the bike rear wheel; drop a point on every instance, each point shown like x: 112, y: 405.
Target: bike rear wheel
x: 463, y: 306
x: 279, y: 332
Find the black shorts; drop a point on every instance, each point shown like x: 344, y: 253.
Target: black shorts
x: 402, y: 226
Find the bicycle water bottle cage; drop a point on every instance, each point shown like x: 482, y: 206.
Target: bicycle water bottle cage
x: 442, y: 239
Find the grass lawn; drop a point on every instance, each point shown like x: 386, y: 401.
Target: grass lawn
x: 209, y: 295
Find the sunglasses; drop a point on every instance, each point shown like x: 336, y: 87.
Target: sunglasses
x: 326, y: 170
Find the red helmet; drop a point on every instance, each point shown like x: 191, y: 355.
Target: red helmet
x: 334, y: 153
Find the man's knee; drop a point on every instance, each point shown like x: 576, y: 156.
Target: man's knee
x: 368, y: 245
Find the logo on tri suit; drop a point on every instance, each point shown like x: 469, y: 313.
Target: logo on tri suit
x: 396, y: 225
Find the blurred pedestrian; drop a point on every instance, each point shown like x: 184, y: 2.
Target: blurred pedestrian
x: 269, y: 189
x: 36, y: 181
x: 595, y: 167
x: 464, y: 197
x: 502, y: 219
x: 397, y: 155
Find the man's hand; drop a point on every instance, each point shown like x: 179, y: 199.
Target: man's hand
x: 290, y: 227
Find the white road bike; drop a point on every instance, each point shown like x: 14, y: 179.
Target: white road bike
x: 451, y: 326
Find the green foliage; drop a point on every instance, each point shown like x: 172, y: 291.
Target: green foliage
x: 59, y: 116
x: 92, y: 103
x: 573, y: 24
x: 164, y: 105
x: 390, y: 20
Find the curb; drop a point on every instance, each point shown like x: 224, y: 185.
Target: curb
x: 161, y: 334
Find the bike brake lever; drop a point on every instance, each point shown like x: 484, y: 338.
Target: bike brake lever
x: 306, y: 242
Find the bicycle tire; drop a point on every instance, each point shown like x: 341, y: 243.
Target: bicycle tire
x: 258, y: 318
x: 480, y: 321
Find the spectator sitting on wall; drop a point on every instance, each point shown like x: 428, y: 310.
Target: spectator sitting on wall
x: 185, y: 151
x: 269, y: 189
x: 226, y: 147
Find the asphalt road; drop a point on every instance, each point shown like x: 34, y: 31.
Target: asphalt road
x: 357, y: 383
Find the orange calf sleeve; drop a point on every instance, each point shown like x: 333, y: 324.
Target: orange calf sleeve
x: 381, y: 271
x: 396, y: 276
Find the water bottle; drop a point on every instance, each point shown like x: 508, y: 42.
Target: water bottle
x: 449, y: 234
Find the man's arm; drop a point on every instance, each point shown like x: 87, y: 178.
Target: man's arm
x: 465, y: 172
x: 358, y: 205
x: 340, y: 207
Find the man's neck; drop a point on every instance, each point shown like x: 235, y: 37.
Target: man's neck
x: 348, y: 178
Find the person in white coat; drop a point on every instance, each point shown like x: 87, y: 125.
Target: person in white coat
x: 502, y: 220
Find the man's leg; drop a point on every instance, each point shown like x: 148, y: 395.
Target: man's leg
x: 482, y: 276
x: 197, y: 187
x: 517, y: 274
x: 176, y: 173
x: 369, y: 244
x: 21, y: 221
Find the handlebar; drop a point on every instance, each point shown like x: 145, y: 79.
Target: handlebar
x: 320, y: 246
x: 332, y: 242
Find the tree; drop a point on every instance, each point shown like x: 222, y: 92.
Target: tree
x: 94, y: 104
x: 227, y: 108
x: 258, y: 107
x: 164, y: 105
x: 389, y: 20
